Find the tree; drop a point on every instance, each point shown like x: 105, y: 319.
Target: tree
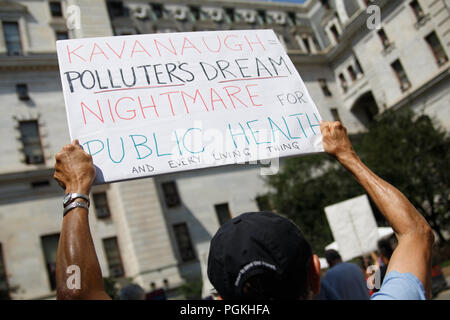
x: 410, y: 152
x: 110, y: 285
x: 413, y: 154
x: 192, y: 289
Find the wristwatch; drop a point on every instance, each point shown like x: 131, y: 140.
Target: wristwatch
x: 72, y: 196
x: 73, y: 205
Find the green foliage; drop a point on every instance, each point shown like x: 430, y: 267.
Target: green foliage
x: 111, y: 287
x: 5, y: 290
x: 410, y: 153
x: 413, y: 154
x: 4, y: 294
x: 191, y: 289
x: 304, y: 187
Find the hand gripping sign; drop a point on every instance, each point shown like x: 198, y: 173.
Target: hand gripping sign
x: 144, y: 105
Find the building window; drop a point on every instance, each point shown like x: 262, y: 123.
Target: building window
x: 293, y: 18
x: 316, y: 45
x: 305, y: 40
x: 50, y: 247
x: 351, y: 72
x: 325, y: 4
x: 12, y: 38
x: 384, y: 39
x: 31, y: 140
x: 343, y: 81
x: 262, y: 16
x: 4, y: 287
x: 324, y: 86
x: 62, y: 35
x: 335, y: 114
x: 40, y: 184
x: 157, y: 10
x: 117, y: 9
x: 230, y: 14
x: 22, y: 91
x: 335, y: 33
x: 56, y: 8
x: 223, y: 212
x: 170, y: 192
x: 401, y: 75
x: 436, y: 48
x: 358, y: 65
x: 365, y: 109
x: 195, y: 11
x: 184, y: 242
x: 113, y: 257
x: 101, y: 205
x: 282, y: 40
x: 417, y: 9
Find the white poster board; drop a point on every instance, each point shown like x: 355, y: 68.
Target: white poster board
x: 143, y: 105
x: 353, y: 226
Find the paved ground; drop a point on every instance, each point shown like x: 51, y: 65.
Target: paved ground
x: 444, y: 295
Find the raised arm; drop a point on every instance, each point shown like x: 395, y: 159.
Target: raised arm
x: 415, y: 237
x: 75, y: 172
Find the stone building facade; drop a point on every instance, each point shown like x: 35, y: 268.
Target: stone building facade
x: 158, y: 230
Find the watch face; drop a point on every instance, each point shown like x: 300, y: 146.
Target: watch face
x: 67, y: 198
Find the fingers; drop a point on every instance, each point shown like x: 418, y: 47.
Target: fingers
x: 325, y: 127
x: 70, y: 147
x: 58, y: 157
x: 76, y: 143
x: 336, y: 126
x: 58, y: 179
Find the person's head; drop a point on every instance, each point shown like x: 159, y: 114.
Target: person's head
x: 261, y: 255
x: 132, y: 292
x: 152, y: 285
x: 333, y: 257
x: 385, y: 250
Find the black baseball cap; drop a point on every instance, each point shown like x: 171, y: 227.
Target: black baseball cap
x: 261, y: 244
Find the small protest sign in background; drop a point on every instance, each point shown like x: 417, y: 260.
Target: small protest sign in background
x: 143, y: 105
x: 353, y: 226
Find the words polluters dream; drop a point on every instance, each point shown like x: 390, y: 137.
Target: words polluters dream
x: 144, y: 78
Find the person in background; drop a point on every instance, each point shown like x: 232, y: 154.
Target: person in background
x: 155, y: 294
x: 385, y: 253
x: 132, y: 291
x: 345, y: 278
x: 273, y: 260
x: 327, y: 293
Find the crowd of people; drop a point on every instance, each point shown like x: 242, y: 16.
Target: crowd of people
x: 262, y: 255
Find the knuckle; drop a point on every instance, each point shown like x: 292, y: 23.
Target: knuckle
x: 68, y: 147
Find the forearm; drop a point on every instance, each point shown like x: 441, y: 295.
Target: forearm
x: 415, y: 237
x: 395, y: 207
x: 76, y: 248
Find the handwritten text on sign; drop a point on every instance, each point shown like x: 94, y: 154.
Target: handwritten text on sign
x: 150, y: 104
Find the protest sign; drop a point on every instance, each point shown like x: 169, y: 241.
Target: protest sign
x: 353, y: 226
x: 143, y: 105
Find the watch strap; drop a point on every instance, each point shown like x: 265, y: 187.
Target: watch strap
x: 73, y: 205
x: 74, y: 196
